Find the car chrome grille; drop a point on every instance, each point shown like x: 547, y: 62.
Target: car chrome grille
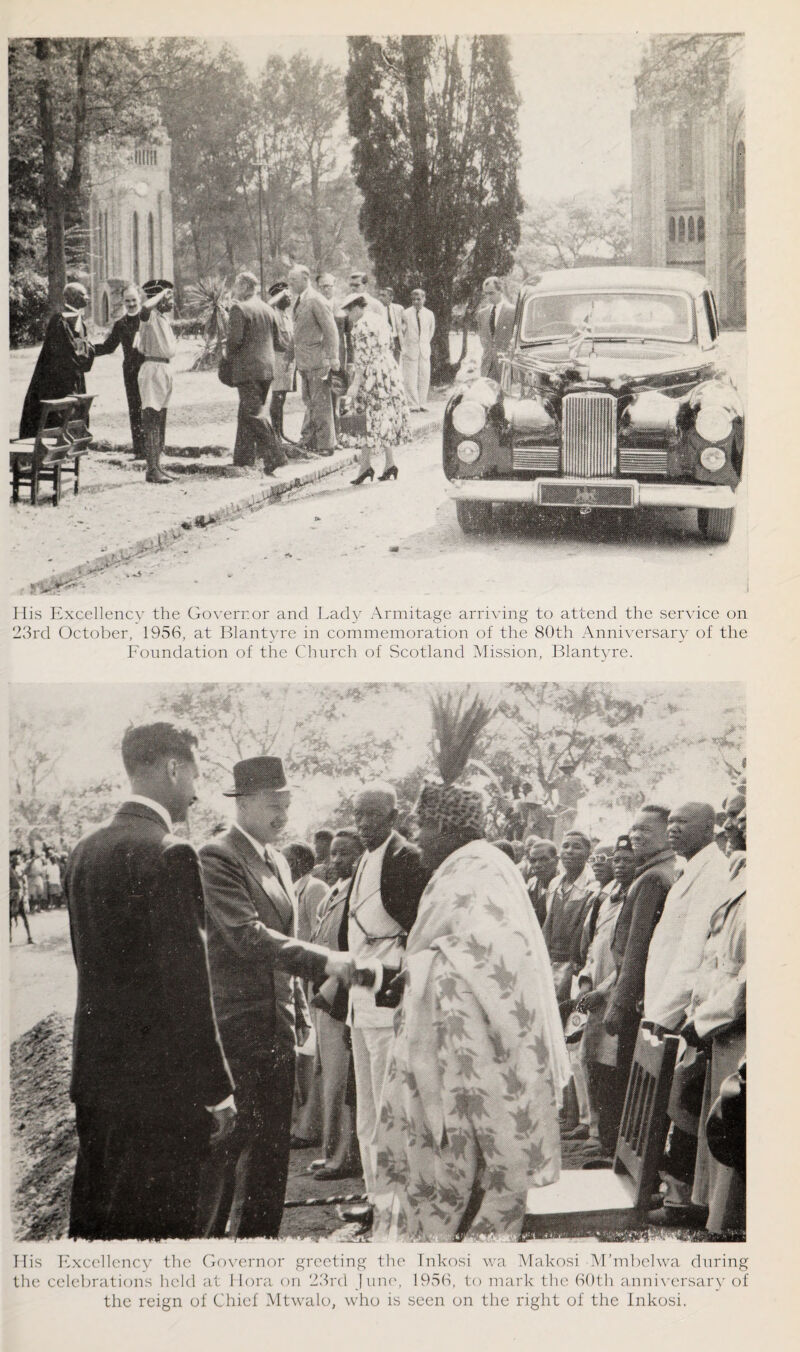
x: 635, y: 461
x: 535, y: 457
x: 589, y: 435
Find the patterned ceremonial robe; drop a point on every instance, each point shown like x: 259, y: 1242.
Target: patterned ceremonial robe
x: 478, y: 1064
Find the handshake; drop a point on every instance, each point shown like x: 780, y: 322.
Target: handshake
x: 342, y: 967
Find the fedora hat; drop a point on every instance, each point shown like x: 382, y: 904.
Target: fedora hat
x: 257, y: 774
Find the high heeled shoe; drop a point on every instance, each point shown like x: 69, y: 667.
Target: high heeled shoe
x: 365, y: 474
x: 389, y: 473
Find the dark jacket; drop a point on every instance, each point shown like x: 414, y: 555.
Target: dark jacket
x: 641, y: 912
x: 251, y: 949
x: 250, y: 340
x: 403, y: 880
x: 123, y: 331
x: 145, y: 1040
x: 59, y: 370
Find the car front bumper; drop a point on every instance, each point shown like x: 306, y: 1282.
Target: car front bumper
x: 642, y: 495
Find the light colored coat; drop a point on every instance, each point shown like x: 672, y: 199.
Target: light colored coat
x: 417, y: 332
x: 316, y: 337
x: 493, y: 344
x: 676, y: 948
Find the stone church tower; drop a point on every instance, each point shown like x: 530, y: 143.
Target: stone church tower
x: 130, y: 219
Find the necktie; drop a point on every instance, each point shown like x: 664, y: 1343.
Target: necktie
x: 492, y: 319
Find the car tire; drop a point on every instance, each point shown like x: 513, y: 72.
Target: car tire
x: 716, y: 523
x: 474, y: 518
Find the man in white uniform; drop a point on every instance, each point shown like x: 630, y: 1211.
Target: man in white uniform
x: 158, y: 345
x: 381, y: 908
x: 416, y: 335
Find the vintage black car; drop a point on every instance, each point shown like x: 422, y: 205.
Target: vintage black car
x: 612, y: 395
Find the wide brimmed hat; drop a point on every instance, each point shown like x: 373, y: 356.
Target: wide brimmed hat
x: 355, y: 298
x: 155, y: 285
x: 277, y: 287
x: 257, y: 774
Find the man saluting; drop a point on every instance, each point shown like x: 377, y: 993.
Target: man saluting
x: 149, y: 1079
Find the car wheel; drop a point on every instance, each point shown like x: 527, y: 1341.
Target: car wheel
x: 716, y: 523
x: 474, y: 517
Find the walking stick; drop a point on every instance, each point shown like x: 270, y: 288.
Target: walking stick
x: 340, y: 1198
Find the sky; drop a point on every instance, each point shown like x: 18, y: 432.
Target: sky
x: 577, y: 96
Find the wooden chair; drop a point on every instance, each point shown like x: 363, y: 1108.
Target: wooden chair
x: 62, y: 438
x: 589, y: 1201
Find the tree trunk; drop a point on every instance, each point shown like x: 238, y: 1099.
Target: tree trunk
x: 414, y: 51
x: 51, y: 183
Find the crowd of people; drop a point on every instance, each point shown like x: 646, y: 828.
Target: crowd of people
x: 36, y: 883
x: 436, y: 1013
x: 362, y: 363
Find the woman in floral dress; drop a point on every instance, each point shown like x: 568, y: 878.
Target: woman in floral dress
x: 377, y: 387
x: 469, y: 1114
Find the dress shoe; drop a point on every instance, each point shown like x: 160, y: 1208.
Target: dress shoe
x: 579, y: 1133
x: 365, y: 474
x: 157, y: 476
x: 692, y: 1216
x: 389, y: 473
x: 315, y: 1165
x: 300, y: 1143
x: 327, y: 1174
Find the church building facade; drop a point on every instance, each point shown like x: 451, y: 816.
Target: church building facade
x: 130, y: 216
x: 689, y: 191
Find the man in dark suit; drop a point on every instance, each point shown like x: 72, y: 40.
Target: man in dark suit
x: 640, y: 913
x: 250, y: 347
x: 124, y: 331
x: 381, y: 908
x: 316, y: 348
x: 147, y: 1068
x: 253, y: 956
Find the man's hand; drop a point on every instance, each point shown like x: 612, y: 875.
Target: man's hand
x: 591, y: 1000
x: 341, y: 966
x: 223, y: 1122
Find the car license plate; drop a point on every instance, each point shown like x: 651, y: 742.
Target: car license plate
x: 585, y: 495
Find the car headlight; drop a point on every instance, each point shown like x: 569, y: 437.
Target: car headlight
x: 468, y: 452
x: 712, y: 458
x: 469, y: 417
x: 713, y: 423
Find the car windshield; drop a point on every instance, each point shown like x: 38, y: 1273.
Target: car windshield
x: 607, y: 314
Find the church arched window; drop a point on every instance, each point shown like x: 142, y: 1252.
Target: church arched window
x: 105, y: 313
x: 135, y: 246
x: 151, y: 244
x: 672, y: 229
x: 681, y: 230
x: 701, y: 229
x: 685, y: 155
x: 739, y: 187
x: 690, y: 230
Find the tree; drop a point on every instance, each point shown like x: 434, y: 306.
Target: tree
x: 686, y: 70
x: 436, y: 156
x: 64, y: 93
x: 575, y: 231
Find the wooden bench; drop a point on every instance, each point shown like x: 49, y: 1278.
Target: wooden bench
x: 590, y: 1201
x: 62, y: 438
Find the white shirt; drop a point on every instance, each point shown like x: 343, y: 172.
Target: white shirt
x: 153, y: 805
x: 676, y: 948
x: 380, y: 942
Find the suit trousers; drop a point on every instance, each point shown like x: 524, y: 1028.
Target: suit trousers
x: 371, y: 1047
x: 417, y: 379
x: 335, y: 1057
x: 136, y: 1179
x: 245, y: 1180
x: 318, y: 429
x: 130, y: 376
x: 252, y: 398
